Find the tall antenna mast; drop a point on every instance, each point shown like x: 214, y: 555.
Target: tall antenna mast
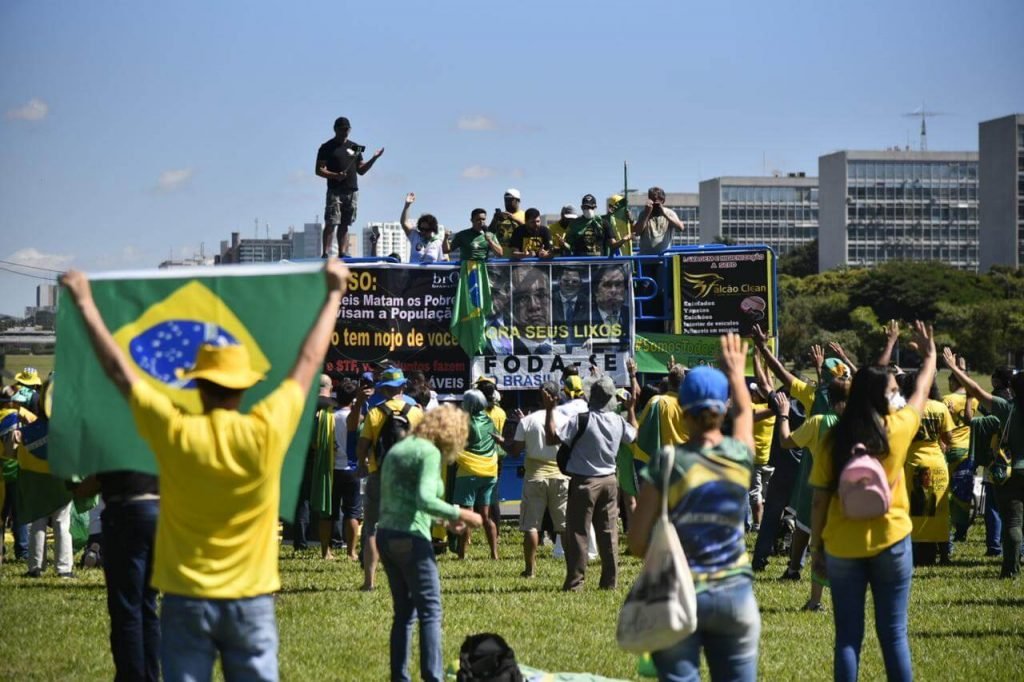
x: 924, y: 115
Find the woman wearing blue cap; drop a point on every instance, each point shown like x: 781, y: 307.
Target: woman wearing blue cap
x: 708, y: 503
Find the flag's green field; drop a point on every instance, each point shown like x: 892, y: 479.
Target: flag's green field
x: 965, y: 624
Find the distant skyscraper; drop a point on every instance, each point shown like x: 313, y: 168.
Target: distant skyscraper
x: 254, y: 250
x: 308, y: 243
x: 781, y: 212
x: 1001, y: 178
x: 879, y: 206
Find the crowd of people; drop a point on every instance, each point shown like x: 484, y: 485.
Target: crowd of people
x: 863, y: 472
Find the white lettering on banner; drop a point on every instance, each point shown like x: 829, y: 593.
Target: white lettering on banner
x: 520, y: 372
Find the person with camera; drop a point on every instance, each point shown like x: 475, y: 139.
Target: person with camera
x: 340, y: 162
x: 657, y: 225
x: 506, y: 221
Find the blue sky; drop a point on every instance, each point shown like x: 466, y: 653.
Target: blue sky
x: 133, y: 131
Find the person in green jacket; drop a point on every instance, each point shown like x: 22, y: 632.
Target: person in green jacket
x: 411, y: 473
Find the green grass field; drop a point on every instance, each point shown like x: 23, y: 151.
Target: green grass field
x: 964, y: 622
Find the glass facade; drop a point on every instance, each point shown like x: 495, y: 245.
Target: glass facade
x: 912, y: 210
x: 264, y: 250
x: 782, y: 217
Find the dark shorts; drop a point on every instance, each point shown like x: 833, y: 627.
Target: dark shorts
x: 341, y: 208
x: 475, y: 491
x: 371, y: 504
x: 345, y: 498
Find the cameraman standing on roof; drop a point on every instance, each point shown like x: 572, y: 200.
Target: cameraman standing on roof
x: 340, y: 162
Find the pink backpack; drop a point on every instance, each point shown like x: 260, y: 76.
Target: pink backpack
x: 864, y: 490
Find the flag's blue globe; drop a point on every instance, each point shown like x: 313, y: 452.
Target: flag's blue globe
x: 166, y: 347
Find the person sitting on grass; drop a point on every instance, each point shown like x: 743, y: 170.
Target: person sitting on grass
x: 411, y: 473
x: 216, y: 558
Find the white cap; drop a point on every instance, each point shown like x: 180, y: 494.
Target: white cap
x: 512, y: 192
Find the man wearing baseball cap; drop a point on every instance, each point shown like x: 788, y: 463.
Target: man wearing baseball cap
x: 592, y: 234
x: 216, y: 556
x: 340, y: 162
x: 505, y: 222
x: 561, y: 226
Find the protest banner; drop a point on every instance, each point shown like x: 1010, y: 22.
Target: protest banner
x: 726, y: 290
x: 159, y: 318
x: 546, y: 316
x: 400, y: 313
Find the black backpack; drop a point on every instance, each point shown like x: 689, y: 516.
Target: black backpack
x: 396, y: 426
x: 487, y: 658
x: 565, y: 449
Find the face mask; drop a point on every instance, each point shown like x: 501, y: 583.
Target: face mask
x: 897, y: 401
x: 588, y: 213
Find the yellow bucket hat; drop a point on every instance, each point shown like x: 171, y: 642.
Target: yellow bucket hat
x: 29, y: 376
x: 226, y: 366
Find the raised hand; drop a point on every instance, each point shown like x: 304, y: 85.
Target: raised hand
x: 923, y: 337
x: 837, y: 349
x: 781, y: 402
x: 734, y: 354
x: 817, y: 356
x: 77, y: 283
x: 892, y: 330
x: 410, y: 198
x: 337, y: 275
x: 759, y: 337
x: 950, y: 358
x: 379, y: 153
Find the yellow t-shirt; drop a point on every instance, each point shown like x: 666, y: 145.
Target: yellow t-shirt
x: 557, y: 234
x: 956, y: 403
x: 498, y: 416
x: 804, y: 393
x: 671, y: 427
x: 504, y: 229
x: 849, y: 539
x: 763, y: 431
x: 927, y: 475
x: 375, y: 420
x: 220, y: 489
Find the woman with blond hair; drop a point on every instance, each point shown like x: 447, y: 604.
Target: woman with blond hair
x: 411, y: 473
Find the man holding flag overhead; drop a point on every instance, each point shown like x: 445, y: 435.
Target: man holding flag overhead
x: 216, y: 546
x: 473, y: 297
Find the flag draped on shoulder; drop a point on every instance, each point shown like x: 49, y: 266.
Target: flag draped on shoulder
x: 39, y: 493
x: 648, y: 435
x: 160, y: 319
x: 472, y: 306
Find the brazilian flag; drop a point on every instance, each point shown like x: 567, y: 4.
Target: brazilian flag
x: 618, y: 214
x: 159, y: 319
x: 471, y: 308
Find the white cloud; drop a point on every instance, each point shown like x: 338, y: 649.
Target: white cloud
x: 173, y: 179
x: 34, y: 110
x: 477, y: 123
x: 477, y: 173
x: 37, y: 259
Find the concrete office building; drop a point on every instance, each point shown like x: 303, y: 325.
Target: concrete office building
x: 390, y: 239
x: 780, y: 211
x: 254, y: 250
x: 1001, y: 175
x: 309, y: 242
x: 879, y: 206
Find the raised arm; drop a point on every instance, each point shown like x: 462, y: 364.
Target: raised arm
x: 404, y: 219
x: 892, y: 335
x: 969, y: 384
x: 113, y: 360
x: 924, y: 337
x: 311, y: 356
x: 733, y: 362
x: 777, y: 368
x: 841, y: 354
x: 782, y: 422
x: 365, y: 166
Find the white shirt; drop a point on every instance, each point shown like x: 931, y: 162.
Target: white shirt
x: 423, y: 251
x: 531, y: 432
x: 596, y: 450
x: 341, y: 438
x: 573, y: 407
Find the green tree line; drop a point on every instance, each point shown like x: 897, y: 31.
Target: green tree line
x: 980, y: 315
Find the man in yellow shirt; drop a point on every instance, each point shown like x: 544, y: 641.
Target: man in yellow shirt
x: 669, y: 415
x: 961, y: 468
x: 216, y: 542
x: 371, y: 447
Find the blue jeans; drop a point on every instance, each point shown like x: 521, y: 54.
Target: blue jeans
x: 128, y: 533
x: 728, y: 629
x: 194, y: 630
x: 416, y: 591
x: 889, y: 573
x: 993, y: 522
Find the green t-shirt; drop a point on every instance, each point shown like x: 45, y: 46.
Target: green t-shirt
x: 1005, y: 412
x: 411, y: 475
x: 589, y: 236
x: 471, y: 245
x: 481, y: 434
